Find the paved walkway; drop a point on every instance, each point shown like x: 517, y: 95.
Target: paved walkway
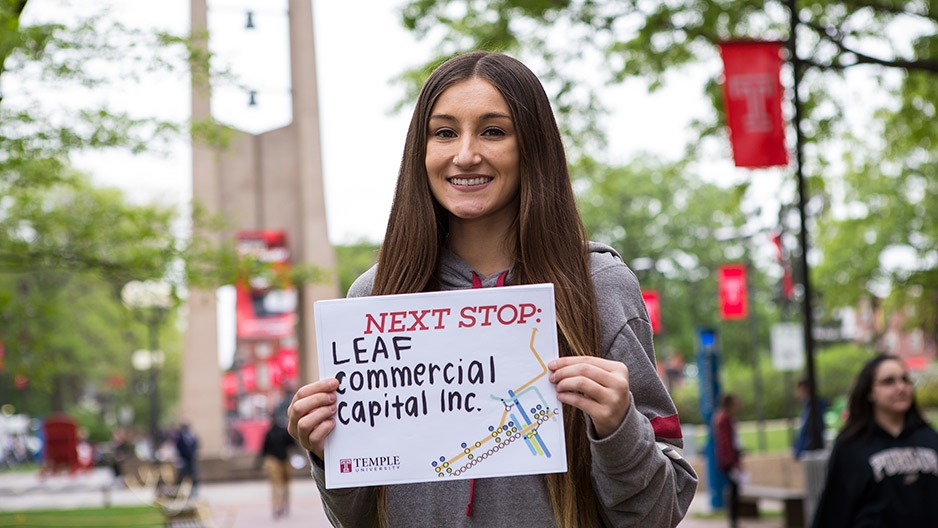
x: 244, y: 504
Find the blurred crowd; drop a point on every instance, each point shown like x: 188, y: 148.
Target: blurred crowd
x: 24, y: 444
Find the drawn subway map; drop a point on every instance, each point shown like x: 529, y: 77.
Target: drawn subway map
x: 525, y: 410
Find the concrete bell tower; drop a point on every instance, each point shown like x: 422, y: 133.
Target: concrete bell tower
x: 271, y: 180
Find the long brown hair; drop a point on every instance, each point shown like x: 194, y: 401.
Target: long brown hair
x: 550, y: 243
x: 860, y: 412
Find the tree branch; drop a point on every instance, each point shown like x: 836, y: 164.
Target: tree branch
x: 891, y: 9
x: 10, y: 11
x: 14, y: 7
x: 835, y: 37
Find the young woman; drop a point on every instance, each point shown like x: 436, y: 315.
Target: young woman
x: 484, y: 199
x: 883, y: 469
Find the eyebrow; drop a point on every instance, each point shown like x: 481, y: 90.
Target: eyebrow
x: 490, y: 115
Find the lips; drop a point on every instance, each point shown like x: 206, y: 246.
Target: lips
x: 470, y: 182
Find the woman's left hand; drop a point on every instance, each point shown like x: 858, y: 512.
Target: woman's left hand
x: 599, y: 387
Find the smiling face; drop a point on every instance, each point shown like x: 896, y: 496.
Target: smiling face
x: 472, y: 154
x: 891, y: 393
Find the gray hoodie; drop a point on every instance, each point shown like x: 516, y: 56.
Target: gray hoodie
x: 639, y: 475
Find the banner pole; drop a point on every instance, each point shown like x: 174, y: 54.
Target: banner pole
x: 816, y: 442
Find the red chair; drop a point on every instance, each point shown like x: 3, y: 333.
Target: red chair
x: 61, y: 444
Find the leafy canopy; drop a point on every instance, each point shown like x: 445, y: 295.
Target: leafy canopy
x: 871, y: 177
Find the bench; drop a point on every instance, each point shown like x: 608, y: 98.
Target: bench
x: 792, y: 501
x: 177, y: 503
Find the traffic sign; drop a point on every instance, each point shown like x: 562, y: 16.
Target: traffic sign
x: 787, y: 346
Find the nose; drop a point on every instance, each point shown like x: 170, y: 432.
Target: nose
x: 468, y: 153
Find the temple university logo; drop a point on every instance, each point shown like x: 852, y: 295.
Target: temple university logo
x: 752, y: 95
x: 758, y: 92
x: 345, y: 465
x: 369, y: 464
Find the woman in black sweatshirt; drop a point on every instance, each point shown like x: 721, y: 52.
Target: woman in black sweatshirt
x: 883, y: 470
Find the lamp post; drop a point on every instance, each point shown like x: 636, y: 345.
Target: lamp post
x: 153, y: 298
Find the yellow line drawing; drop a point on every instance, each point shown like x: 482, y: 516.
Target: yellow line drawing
x: 510, y: 435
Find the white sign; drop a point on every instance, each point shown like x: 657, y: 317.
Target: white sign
x: 442, y: 385
x: 787, y: 346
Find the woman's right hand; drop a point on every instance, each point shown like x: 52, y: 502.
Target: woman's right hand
x: 311, y: 414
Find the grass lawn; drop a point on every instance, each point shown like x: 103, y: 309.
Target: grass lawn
x: 116, y: 516
x: 776, y: 437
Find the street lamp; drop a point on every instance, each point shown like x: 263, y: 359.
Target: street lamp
x: 152, y: 299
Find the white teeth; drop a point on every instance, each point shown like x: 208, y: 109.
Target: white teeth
x: 470, y: 181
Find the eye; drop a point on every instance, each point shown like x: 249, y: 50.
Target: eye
x: 492, y: 131
x: 444, y: 133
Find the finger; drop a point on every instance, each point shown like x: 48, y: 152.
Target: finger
x: 610, y: 374
x: 597, y: 387
x: 311, y: 405
x: 586, y: 388
x: 302, y: 403
x: 308, y: 398
x: 323, y: 385
x: 583, y: 362
x: 314, y: 427
x: 567, y: 361
x: 581, y: 401
x: 607, y: 415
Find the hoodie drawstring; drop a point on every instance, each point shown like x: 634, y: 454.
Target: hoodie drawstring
x: 472, y: 492
x: 477, y: 283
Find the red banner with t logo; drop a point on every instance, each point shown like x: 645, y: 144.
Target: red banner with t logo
x: 752, y: 94
x: 734, y: 299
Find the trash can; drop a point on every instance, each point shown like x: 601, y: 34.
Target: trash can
x: 815, y: 473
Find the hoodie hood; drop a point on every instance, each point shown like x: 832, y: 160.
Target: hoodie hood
x: 456, y: 274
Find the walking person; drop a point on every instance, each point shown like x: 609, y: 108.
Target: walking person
x: 275, y: 455
x: 729, y: 453
x: 187, y: 448
x: 484, y: 199
x: 803, y: 441
x: 883, y: 468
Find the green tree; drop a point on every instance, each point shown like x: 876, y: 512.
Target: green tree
x: 670, y: 227
x: 887, y: 231
x: 67, y: 247
x: 650, y: 40
x: 78, y: 58
x: 353, y: 260
x: 65, y: 252
x: 870, y: 192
